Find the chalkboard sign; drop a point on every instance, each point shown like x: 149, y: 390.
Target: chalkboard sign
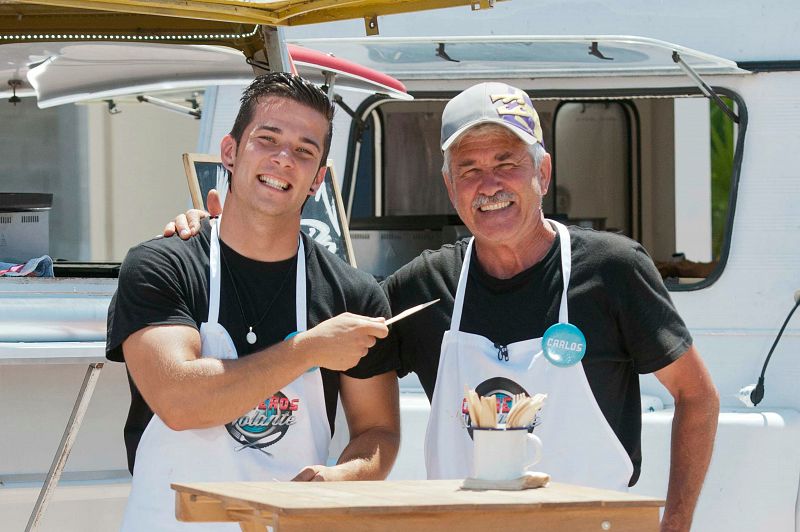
x: 323, y: 216
x: 204, y: 172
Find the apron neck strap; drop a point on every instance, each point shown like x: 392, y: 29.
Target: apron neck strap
x: 458, y: 305
x: 566, y: 267
x: 215, y: 273
x: 565, y: 245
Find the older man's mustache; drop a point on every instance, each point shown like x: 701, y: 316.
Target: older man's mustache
x: 498, y: 197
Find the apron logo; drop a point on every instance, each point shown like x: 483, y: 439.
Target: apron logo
x: 266, y: 424
x: 504, y: 391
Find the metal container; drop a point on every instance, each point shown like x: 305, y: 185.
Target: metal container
x: 24, y: 226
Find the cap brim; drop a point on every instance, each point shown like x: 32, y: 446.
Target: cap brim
x: 525, y: 137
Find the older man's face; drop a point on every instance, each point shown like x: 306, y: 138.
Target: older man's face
x: 494, y: 187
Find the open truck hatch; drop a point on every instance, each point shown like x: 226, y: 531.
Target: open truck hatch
x: 520, y: 56
x: 237, y: 25
x: 58, y: 73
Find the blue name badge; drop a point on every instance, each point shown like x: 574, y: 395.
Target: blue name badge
x: 309, y: 370
x: 563, y: 345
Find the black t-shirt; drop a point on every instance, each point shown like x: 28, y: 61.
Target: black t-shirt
x: 165, y: 281
x: 616, y: 297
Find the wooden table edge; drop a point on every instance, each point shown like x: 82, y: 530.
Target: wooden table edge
x: 640, y: 501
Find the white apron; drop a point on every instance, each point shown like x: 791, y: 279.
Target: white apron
x: 275, y: 440
x: 579, y: 446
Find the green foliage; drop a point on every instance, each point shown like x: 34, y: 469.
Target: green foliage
x: 722, y: 143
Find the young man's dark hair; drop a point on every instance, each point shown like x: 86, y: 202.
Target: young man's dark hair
x: 282, y: 85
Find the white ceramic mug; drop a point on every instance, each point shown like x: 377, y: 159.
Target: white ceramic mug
x: 504, y: 454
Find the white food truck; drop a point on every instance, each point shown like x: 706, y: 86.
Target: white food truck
x: 671, y: 124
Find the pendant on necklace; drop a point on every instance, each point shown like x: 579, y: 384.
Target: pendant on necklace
x: 251, y: 337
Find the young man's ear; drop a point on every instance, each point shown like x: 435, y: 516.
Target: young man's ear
x: 318, y: 179
x: 227, y: 151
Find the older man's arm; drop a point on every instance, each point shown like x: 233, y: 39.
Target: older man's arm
x: 373, y: 417
x: 693, y: 430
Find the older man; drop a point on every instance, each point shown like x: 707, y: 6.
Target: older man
x: 531, y: 306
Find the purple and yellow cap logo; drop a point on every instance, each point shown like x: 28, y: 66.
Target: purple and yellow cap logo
x: 491, y: 103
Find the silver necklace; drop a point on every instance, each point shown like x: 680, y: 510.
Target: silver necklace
x: 251, y: 335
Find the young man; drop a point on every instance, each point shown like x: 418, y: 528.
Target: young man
x: 241, y: 340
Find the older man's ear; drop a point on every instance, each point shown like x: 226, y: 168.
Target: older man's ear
x: 545, y: 173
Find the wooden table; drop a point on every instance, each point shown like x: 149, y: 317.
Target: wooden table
x: 417, y: 505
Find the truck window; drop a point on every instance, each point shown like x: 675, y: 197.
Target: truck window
x: 592, y: 183
x: 657, y: 168
x: 413, y: 169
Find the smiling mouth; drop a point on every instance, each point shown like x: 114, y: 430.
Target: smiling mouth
x: 494, y: 206
x: 273, y: 182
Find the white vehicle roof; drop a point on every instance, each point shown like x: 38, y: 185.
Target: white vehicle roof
x: 520, y: 56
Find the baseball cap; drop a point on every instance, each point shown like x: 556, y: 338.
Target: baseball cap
x: 495, y: 103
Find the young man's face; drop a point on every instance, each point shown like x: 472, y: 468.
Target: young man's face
x: 275, y: 166
x: 494, y: 187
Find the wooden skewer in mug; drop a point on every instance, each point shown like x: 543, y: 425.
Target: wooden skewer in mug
x: 474, y: 406
x: 490, y: 411
x: 524, y: 411
x: 486, y: 420
x: 482, y: 410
